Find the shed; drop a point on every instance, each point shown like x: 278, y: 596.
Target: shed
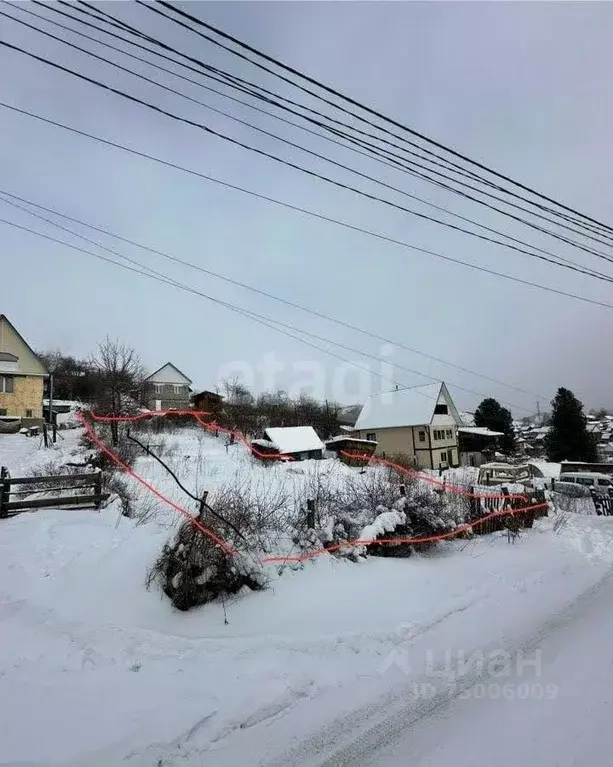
x: 299, y: 442
x: 477, y: 443
x: 345, y: 447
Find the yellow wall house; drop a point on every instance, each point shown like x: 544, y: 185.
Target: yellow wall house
x: 22, y: 377
x: 420, y: 423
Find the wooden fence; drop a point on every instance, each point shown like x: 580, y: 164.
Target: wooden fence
x: 14, y: 501
x: 483, y: 507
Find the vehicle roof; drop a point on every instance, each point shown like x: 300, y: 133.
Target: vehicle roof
x: 592, y: 474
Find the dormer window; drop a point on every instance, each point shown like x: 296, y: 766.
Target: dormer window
x: 441, y: 409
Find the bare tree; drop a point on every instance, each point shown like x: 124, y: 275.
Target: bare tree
x: 120, y: 377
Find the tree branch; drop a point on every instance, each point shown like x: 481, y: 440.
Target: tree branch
x: 201, y: 501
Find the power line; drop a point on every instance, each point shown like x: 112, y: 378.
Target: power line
x: 571, y: 264
x: 358, y: 104
x: 246, y: 87
x: 237, y: 82
x: 306, y: 211
x: 262, y: 319
x: 334, y: 182
x: 251, y: 288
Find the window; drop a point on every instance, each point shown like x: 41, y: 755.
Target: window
x: 422, y: 435
x: 3, y: 411
x: 177, y: 388
x: 372, y: 436
x: 448, y: 433
x: 441, y: 409
x: 6, y: 384
x: 158, y: 388
x: 439, y: 434
x: 28, y: 414
x: 444, y: 456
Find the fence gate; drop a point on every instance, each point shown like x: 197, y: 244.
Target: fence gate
x: 14, y: 492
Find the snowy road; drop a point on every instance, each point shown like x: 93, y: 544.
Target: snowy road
x: 555, y: 712
x: 333, y: 664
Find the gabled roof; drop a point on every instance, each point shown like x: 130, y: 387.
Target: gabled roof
x: 405, y: 407
x: 24, y: 342
x: 174, y: 367
x: 294, y: 439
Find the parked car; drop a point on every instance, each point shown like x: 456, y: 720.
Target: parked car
x: 601, y: 484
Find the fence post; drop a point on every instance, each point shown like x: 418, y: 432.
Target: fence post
x: 98, y: 488
x: 474, y: 504
x: 310, y: 514
x: 4, y: 490
x: 54, y: 432
x: 45, y: 435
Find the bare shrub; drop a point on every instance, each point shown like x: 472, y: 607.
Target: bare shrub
x: 140, y: 506
x: 368, y: 491
x: 560, y: 521
x: 260, y: 510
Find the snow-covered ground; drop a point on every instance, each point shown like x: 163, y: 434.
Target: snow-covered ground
x: 96, y: 670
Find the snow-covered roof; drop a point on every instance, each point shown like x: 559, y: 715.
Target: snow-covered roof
x: 404, y: 407
x: 481, y: 431
x: 467, y: 418
x: 343, y: 438
x: 294, y: 439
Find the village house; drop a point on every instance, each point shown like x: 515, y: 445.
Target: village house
x: 297, y: 442
x: 22, y: 377
x: 477, y: 444
x: 167, y: 388
x: 419, y: 423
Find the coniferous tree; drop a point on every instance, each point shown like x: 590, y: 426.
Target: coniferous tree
x: 568, y: 438
x: 491, y: 414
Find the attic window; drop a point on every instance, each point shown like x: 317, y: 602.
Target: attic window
x: 441, y: 409
x: 7, y: 357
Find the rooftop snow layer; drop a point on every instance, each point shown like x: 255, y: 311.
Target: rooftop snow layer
x: 482, y: 431
x: 404, y: 407
x: 294, y: 439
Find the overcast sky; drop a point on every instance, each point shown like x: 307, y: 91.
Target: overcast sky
x: 523, y: 87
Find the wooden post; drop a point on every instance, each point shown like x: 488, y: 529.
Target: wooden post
x: 45, y: 435
x: 5, y: 490
x: 202, y: 504
x: 98, y: 488
x: 474, y: 504
x: 310, y: 514
x: 54, y: 431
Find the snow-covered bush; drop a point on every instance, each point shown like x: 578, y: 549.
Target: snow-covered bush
x: 193, y: 570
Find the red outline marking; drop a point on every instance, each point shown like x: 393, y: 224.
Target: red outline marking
x: 457, y: 489
x: 116, y: 459
x: 316, y: 552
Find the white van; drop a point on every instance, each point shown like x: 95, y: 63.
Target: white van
x: 602, y: 484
